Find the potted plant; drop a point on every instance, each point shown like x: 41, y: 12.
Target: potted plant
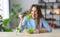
x: 15, y: 9
x: 4, y: 26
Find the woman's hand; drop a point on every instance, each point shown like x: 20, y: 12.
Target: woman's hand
x: 43, y: 31
x: 21, y: 16
x: 37, y: 31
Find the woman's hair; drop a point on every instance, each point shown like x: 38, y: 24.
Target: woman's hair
x: 39, y: 13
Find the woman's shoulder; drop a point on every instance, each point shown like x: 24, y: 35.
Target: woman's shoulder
x: 24, y: 17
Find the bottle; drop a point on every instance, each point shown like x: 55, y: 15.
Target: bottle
x: 17, y: 31
x: 0, y: 22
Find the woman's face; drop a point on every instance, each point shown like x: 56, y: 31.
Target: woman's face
x: 34, y: 12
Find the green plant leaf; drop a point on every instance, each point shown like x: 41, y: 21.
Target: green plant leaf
x: 15, y: 9
x: 6, y: 22
x: 5, y: 29
x: 14, y: 15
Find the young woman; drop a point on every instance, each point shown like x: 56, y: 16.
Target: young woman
x: 35, y: 21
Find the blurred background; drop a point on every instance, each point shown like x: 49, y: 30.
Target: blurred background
x: 9, y: 10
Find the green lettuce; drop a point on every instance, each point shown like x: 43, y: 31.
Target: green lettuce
x: 30, y: 31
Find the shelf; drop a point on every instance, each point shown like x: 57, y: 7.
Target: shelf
x: 53, y: 14
x: 50, y: 5
x: 53, y: 20
x: 48, y: 2
x: 48, y: 9
x: 50, y: 19
x: 52, y: 8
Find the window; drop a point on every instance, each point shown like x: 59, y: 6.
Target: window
x: 4, y: 8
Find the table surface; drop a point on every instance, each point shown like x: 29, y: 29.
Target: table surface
x: 55, y: 33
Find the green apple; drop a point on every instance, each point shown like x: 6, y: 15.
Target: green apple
x: 29, y: 16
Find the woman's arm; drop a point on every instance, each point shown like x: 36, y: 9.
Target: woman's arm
x: 21, y: 16
x: 23, y: 24
x: 46, y: 25
x: 20, y: 24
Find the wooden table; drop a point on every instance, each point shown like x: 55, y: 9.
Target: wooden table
x: 55, y: 33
